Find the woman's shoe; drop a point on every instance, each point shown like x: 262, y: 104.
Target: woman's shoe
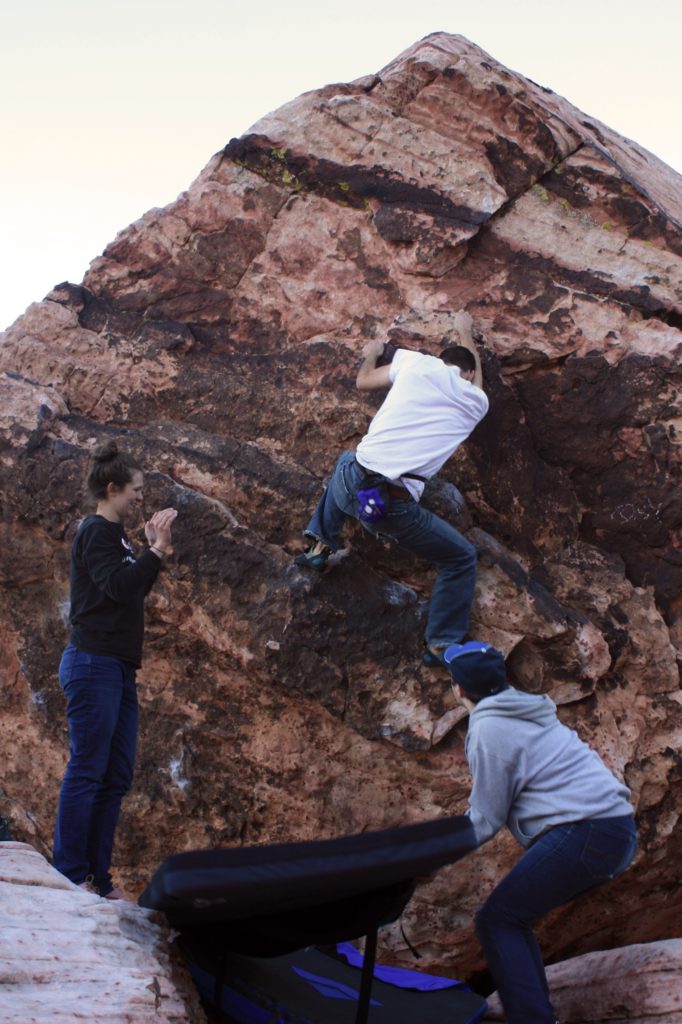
x: 117, y: 894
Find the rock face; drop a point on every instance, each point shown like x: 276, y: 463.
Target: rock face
x: 219, y: 339
x: 639, y: 984
x: 68, y: 955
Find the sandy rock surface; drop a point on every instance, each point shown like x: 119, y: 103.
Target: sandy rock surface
x: 639, y: 984
x: 67, y: 955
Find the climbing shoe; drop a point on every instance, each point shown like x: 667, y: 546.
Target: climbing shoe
x: 432, y: 657
x: 311, y: 559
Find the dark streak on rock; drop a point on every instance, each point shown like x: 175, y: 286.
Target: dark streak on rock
x: 351, y: 185
x: 525, y: 265
x: 514, y: 169
x: 578, y: 183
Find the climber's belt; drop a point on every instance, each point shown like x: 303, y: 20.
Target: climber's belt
x: 393, y: 490
x: 399, y: 492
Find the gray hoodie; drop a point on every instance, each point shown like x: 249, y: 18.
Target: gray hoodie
x: 530, y: 772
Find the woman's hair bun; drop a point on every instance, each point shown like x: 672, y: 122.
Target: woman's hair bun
x: 106, y: 452
x: 110, y: 466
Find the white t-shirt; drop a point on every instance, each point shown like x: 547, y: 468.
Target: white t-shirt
x: 429, y: 411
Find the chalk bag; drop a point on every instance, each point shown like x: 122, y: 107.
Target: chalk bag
x: 372, y: 504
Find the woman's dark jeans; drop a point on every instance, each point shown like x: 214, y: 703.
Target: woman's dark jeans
x: 563, y: 863
x: 102, y: 714
x: 415, y: 529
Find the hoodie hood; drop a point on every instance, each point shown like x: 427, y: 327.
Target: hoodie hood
x: 531, y: 707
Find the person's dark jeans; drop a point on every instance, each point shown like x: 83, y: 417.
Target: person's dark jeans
x: 563, y: 863
x: 102, y: 714
x: 415, y: 529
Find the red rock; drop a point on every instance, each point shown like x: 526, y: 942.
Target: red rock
x: 221, y: 335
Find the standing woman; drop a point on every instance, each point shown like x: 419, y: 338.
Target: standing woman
x: 97, y: 670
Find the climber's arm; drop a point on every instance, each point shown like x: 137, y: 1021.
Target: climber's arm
x: 464, y: 326
x: 370, y: 376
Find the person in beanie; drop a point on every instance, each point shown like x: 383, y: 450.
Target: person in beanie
x: 571, y: 815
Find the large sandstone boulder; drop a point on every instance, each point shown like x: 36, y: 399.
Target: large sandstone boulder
x: 67, y: 955
x: 219, y: 338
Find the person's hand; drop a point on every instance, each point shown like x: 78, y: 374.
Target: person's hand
x: 158, y: 529
x: 374, y: 347
x: 150, y: 531
x: 464, y: 323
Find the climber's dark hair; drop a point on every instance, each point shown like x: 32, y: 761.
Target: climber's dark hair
x: 476, y: 697
x: 458, y: 355
x: 109, y: 466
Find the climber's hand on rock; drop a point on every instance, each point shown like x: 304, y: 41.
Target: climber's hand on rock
x: 373, y: 348
x: 464, y: 324
x: 370, y: 376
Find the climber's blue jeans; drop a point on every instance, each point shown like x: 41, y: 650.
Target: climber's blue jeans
x: 415, y: 529
x: 101, y: 710
x: 563, y: 863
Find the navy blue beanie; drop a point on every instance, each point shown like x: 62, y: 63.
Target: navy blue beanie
x: 477, y: 667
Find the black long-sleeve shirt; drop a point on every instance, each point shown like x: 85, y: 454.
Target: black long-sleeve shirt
x: 108, y: 588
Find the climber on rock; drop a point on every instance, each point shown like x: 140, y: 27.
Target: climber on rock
x: 433, y: 405
x: 556, y: 797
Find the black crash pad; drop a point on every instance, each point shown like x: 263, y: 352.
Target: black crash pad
x: 310, y: 987
x: 289, y: 895
x: 268, y: 901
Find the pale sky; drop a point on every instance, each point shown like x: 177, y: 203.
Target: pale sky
x: 110, y: 107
